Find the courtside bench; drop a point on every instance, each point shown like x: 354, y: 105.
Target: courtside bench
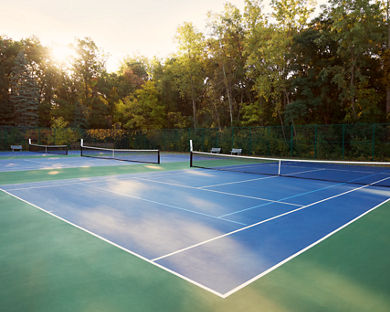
x: 236, y: 151
x: 16, y: 147
x: 216, y: 150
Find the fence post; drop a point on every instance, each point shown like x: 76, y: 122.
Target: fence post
x: 291, y: 139
x: 203, y: 136
x: 5, y: 139
x: 373, y: 142
x: 315, y: 140
x: 232, y: 137
x: 343, y: 142
x: 268, y: 140
x: 250, y: 141
x: 54, y: 136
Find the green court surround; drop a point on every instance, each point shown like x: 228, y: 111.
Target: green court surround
x: 49, y: 265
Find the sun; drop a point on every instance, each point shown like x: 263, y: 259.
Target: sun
x: 62, y: 54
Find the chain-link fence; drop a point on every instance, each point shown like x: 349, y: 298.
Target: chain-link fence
x: 335, y: 141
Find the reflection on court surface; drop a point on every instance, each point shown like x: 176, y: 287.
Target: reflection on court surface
x: 218, y: 230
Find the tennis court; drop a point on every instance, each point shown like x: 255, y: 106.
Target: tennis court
x: 193, y: 239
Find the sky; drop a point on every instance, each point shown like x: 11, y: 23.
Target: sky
x: 120, y: 28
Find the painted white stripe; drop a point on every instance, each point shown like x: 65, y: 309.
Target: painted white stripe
x: 238, y: 182
x: 116, y: 245
x: 54, y: 184
x: 225, y: 295
x: 263, y: 178
x: 263, y: 221
x: 167, y: 205
x: 301, y: 251
x: 128, y: 195
x: 71, y: 181
x: 219, y: 192
x: 203, y: 188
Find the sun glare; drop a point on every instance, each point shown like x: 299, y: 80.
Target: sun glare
x: 62, y: 54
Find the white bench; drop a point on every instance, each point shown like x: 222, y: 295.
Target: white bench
x: 236, y: 151
x: 16, y: 148
x: 215, y: 150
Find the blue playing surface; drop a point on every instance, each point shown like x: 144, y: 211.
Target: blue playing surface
x: 15, y: 162
x: 219, y: 230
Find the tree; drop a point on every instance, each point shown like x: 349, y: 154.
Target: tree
x: 358, y: 28
x: 143, y: 110
x: 269, y: 53
x: 166, y: 78
x: 8, y: 52
x: 226, y: 49
x: 190, y: 78
x: 88, y: 68
x: 24, y: 93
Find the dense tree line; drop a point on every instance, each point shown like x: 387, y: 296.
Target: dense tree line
x: 250, y: 68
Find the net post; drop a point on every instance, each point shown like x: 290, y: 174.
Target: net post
x: 191, y: 149
x: 279, y: 166
x: 158, y: 156
x: 29, y: 141
x: 81, y: 146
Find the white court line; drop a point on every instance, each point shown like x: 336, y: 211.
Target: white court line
x: 237, y: 182
x: 75, y: 181
x: 116, y: 245
x: 71, y: 181
x: 168, y: 205
x: 219, y: 192
x: 128, y: 195
x: 272, y: 176
x: 263, y: 221
x: 300, y: 251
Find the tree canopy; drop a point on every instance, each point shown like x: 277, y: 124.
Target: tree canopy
x: 250, y: 68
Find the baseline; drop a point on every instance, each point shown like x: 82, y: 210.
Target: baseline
x: 261, y: 222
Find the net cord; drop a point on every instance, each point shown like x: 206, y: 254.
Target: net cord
x: 48, y: 146
x: 280, y: 160
x: 113, y: 150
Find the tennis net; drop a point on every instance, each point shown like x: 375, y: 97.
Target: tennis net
x: 354, y: 172
x: 48, y: 149
x: 134, y: 155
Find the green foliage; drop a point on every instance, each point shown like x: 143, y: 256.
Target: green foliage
x: 189, y: 73
x: 24, y: 95
x: 250, y: 68
x: 142, y: 110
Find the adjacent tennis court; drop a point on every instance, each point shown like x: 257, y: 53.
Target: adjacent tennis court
x: 213, y: 238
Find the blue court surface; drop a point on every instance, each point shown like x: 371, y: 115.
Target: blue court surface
x: 17, y: 161
x: 218, y: 230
